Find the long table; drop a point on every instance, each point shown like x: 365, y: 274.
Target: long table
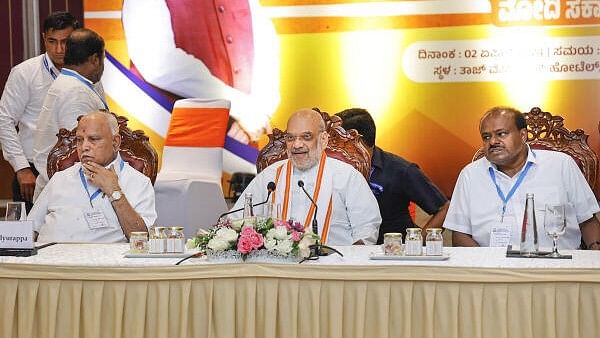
x: 91, y: 290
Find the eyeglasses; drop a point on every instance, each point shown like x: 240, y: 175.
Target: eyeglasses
x: 306, y: 137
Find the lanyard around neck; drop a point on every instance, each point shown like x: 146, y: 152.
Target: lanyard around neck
x: 97, y: 192
x: 512, y: 190
x: 47, y: 66
x: 85, y: 81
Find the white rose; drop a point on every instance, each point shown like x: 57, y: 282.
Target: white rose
x: 227, y: 234
x: 270, y: 234
x: 218, y: 244
x: 284, y: 246
x: 281, y: 233
x: 307, y: 239
x: 270, y: 243
x: 237, y: 224
x: 303, y: 250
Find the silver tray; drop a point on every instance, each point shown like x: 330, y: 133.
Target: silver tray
x: 380, y: 256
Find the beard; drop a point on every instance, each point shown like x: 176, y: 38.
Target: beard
x: 312, y: 159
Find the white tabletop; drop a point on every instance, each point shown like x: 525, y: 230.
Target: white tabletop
x: 112, y: 255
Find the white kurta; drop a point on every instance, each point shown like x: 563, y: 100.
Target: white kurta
x: 67, y: 99
x: 20, y: 106
x: 58, y: 214
x: 553, y: 178
x: 355, y: 213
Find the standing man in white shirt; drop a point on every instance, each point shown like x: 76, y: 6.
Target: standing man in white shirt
x: 22, y: 98
x: 76, y: 91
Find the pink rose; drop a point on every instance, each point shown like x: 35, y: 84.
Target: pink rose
x: 296, y: 236
x: 257, y: 240
x: 244, y: 244
x: 247, y: 231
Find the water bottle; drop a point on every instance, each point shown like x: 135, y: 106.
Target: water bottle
x: 529, y: 234
x: 248, y: 212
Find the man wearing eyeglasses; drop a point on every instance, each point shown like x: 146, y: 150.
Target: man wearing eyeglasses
x: 395, y: 182
x: 347, y: 212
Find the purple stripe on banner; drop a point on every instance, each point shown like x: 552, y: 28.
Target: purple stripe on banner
x: 164, y: 102
x: 242, y: 150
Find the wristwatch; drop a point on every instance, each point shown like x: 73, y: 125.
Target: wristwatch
x: 115, y: 196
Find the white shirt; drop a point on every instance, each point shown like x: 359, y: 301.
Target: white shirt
x: 20, y: 106
x: 553, y: 178
x: 355, y: 213
x: 67, y: 99
x: 58, y: 214
x: 168, y: 67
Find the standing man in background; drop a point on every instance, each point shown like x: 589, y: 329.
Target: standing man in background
x: 76, y: 91
x: 22, y: 99
x: 395, y: 182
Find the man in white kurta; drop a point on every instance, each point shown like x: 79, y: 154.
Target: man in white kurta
x: 354, y: 214
x: 488, y: 202
x: 76, y: 91
x: 92, y: 202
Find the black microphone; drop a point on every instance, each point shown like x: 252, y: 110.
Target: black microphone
x: 315, y: 225
x: 270, y: 189
x: 317, y: 249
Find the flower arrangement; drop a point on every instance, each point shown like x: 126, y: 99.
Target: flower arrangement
x: 252, y: 235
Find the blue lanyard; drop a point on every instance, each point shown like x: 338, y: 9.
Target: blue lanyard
x: 85, y: 185
x: 506, y: 198
x: 47, y: 66
x: 85, y: 82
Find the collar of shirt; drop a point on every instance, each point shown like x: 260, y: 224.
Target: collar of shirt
x: 530, y: 158
x: 51, y: 68
x: 377, y: 159
x: 81, y: 77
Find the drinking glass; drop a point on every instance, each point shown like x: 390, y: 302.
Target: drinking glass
x: 15, y: 211
x: 555, y: 224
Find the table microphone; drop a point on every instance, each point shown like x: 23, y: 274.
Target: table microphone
x: 270, y: 189
x: 318, y: 249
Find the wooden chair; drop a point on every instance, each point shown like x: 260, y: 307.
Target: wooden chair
x: 135, y: 150
x: 346, y: 146
x: 546, y: 131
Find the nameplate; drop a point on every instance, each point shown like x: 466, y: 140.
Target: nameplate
x: 16, y: 234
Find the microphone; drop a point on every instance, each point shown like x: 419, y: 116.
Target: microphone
x: 317, y: 249
x: 315, y: 225
x: 270, y: 189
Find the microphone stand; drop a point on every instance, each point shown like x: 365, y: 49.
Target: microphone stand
x: 317, y: 249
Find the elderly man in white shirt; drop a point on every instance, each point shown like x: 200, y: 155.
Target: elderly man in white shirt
x: 101, y: 198
x: 489, y: 197
x: 347, y: 211
x: 76, y: 91
x: 22, y: 98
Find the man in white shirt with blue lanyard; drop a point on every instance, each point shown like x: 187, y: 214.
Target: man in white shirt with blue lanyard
x: 101, y: 198
x: 22, y: 98
x: 76, y: 91
x: 488, y: 202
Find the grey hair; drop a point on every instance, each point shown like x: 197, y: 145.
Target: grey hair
x: 113, y: 124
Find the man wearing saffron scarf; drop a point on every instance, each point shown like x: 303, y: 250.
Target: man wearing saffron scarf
x: 347, y: 211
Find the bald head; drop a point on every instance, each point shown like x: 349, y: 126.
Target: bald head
x: 98, y: 138
x: 308, y: 117
x: 305, y: 138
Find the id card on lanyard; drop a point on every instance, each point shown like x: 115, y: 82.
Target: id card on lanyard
x: 500, y: 232
x: 95, y: 218
x: 86, y: 82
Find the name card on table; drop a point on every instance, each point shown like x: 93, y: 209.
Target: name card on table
x: 16, y: 234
